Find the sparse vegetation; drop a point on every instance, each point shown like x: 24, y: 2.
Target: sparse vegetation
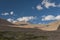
x: 9, y: 35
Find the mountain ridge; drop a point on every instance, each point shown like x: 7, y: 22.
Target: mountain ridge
x: 53, y: 26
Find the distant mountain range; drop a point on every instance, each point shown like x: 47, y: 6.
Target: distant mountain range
x: 53, y: 26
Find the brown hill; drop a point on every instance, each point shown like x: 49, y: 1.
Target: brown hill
x: 4, y: 22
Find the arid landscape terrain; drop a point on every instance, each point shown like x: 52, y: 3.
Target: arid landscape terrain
x: 29, y: 19
x: 27, y: 31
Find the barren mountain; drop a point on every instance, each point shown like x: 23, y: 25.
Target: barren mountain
x: 51, y: 30
x: 4, y: 22
x: 53, y: 26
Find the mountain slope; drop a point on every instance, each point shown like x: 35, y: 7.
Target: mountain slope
x: 49, y: 27
x: 26, y: 30
x: 4, y: 22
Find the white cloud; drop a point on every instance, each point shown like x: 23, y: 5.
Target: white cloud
x: 51, y: 17
x: 11, y: 13
x: 57, y: 17
x: 48, y: 4
x: 25, y: 18
x: 5, y: 14
x: 10, y: 20
x: 39, y: 7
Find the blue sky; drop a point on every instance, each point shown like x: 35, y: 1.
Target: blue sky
x: 41, y: 11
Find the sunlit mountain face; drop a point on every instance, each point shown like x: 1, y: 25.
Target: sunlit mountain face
x: 33, y: 11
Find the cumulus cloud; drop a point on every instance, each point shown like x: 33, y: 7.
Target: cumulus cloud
x: 10, y: 20
x: 25, y: 19
x: 50, y: 17
x: 11, y: 13
x: 39, y: 7
x: 48, y: 4
x: 6, y: 13
x: 57, y: 17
